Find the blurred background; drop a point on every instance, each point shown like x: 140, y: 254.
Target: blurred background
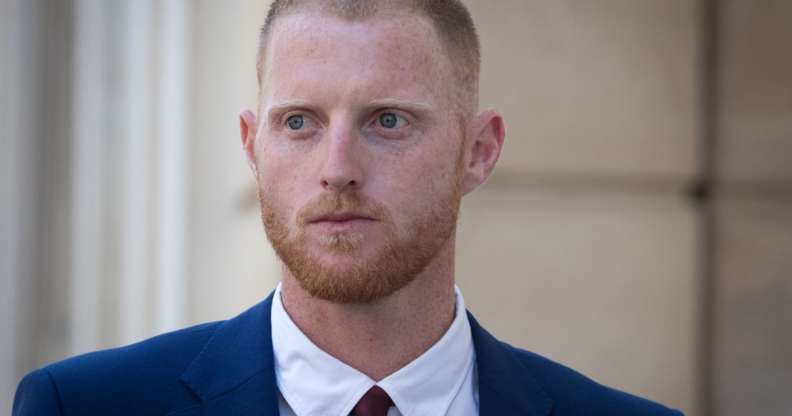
x: 638, y: 227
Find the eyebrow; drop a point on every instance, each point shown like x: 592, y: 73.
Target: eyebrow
x: 396, y: 103
x: 283, y: 105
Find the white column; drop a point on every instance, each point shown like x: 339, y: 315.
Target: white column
x: 172, y: 103
x: 135, y: 119
x: 89, y: 138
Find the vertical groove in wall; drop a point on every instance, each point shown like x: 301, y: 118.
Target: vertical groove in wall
x: 11, y: 209
x: 52, y: 282
x: 705, y: 193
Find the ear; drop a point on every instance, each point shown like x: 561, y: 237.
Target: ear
x: 486, y: 134
x: 247, y: 132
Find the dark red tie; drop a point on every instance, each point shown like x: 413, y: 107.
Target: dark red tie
x: 374, y: 403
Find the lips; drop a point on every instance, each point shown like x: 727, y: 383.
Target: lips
x: 341, y: 217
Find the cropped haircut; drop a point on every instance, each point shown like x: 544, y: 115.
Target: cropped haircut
x: 450, y: 18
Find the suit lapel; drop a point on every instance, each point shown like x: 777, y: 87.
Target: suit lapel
x: 235, y: 374
x: 505, y: 387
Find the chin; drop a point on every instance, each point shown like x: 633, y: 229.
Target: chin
x: 339, y: 261
x: 341, y: 242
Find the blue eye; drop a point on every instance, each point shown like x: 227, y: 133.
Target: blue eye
x: 389, y: 120
x: 296, y: 122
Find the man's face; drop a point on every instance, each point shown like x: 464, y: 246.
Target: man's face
x: 358, y: 152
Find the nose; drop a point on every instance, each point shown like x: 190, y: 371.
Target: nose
x: 342, y: 169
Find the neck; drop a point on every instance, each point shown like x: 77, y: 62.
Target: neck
x: 381, y: 337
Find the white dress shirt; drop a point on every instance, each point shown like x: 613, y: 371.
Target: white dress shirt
x: 442, y: 381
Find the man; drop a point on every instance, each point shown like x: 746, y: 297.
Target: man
x: 366, y: 137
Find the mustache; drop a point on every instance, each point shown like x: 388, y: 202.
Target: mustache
x: 343, y: 202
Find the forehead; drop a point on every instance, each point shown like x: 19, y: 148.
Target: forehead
x: 396, y: 54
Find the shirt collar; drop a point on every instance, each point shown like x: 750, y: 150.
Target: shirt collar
x: 316, y: 383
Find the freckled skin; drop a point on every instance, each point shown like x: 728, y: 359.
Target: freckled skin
x: 337, y: 73
x: 304, y: 58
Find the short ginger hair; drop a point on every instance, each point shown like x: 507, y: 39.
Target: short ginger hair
x: 450, y: 19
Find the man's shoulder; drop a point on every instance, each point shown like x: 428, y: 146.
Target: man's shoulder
x: 165, y: 353
x: 573, y: 392
x: 90, y: 383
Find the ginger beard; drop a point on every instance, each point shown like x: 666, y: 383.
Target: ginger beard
x: 363, y: 279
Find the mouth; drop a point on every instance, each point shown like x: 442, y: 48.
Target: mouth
x: 340, y: 218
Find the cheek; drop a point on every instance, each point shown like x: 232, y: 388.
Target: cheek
x: 277, y: 186
x: 418, y: 184
x: 289, y: 163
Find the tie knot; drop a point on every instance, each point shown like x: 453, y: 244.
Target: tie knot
x: 375, y: 402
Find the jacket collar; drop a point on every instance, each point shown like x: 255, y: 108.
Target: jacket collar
x: 235, y: 372
x: 505, y: 385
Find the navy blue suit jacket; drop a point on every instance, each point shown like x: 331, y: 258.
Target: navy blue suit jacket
x: 226, y: 368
